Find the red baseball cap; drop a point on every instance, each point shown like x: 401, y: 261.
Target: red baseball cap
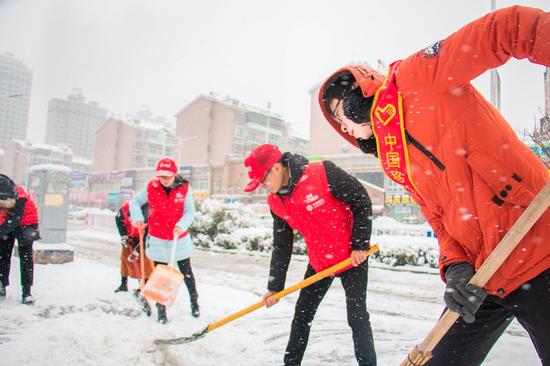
x: 166, y: 168
x: 258, y: 162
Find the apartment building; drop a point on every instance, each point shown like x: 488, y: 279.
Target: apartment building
x: 130, y: 143
x: 212, y: 127
x: 74, y: 122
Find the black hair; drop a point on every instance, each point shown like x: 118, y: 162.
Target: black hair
x: 8, y: 188
x: 337, y: 87
x: 356, y: 106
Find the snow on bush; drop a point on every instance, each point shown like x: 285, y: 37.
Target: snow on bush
x: 406, y: 250
x: 232, y: 226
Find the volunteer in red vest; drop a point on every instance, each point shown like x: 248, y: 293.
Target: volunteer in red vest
x: 129, y: 253
x: 439, y: 138
x: 332, y: 211
x: 18, y: 220
x: 171, y: 212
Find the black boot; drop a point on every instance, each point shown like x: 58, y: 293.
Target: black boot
x: 162, y: 318
x: 142, y: 301
x: 26, y: 297
x: 2, y: 291
x: 195, y: 312
x: 123, y: 285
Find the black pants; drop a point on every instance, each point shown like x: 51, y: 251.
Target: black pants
x: 469, y: 344
x: 354, y: 282
x: 25, y: 259
x: 185, y: 268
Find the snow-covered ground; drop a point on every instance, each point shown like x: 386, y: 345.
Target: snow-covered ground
x: 79, y: 320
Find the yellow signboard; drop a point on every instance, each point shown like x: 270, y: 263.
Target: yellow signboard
x: 53, y: 199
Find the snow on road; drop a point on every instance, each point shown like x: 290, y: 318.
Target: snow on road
x: 78, y: 319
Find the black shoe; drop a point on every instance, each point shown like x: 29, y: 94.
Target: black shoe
x: 142, y: 301
x: 2, y: 291
x: 162, y: 318
x: 122, y: 288
x: 27, y: 300
x: 26, y: 297
x: 195, y: 312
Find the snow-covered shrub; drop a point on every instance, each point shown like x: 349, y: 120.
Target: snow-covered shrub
x: 202, y: 240
x: 233, y: 226
x: 406, y: 250
x: 222, y: 224
x: 226, y: 241
x: 260, y: 240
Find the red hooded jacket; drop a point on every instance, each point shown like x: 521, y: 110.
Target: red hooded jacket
x: 488, y: 176
x: 30, y: 215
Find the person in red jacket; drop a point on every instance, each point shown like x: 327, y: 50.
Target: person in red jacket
x: 129, y: 253
x: 171, y: 212
x: 333, y: 212
x: 435, y: 135
x: 18, y: 220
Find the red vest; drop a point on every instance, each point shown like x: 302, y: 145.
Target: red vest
x: 30, y: 215
x: 130, y: 229
x: 325, y: 222
x: 165, y: 210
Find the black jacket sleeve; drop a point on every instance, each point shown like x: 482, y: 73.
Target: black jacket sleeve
x: 283, y: 239
x: 119, y: 219
x: 349, y: 190
x: 13, y: 219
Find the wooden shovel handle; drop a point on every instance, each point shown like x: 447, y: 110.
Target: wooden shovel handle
x: 308, y: 281
x: 510, y: 241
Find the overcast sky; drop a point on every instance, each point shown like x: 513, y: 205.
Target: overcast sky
x: 163, y: 53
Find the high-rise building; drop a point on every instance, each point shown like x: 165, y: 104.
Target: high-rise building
x: 130, y: 144
x: 15, y: 92
x: 74, y: 122
x: 211, y: 127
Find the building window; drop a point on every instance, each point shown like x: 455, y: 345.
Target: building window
x: 275, y: 139
x: 237, y: 149
x: 260, y: 119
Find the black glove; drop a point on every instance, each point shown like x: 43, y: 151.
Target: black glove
x: 460, y: 296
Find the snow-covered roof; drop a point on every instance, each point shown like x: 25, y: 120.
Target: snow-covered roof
x: 81, y: 160
x: 233, y: 103
x: 50, y: 167
x: 29, y: 145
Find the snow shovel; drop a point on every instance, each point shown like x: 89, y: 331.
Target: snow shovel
x: 165, y: 281
x: 421, y: 353
x: 142, y: 301
x: 308, y: 281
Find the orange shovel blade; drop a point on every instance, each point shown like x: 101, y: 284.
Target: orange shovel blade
x: 163, y: 285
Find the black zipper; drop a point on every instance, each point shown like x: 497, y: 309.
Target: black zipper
x: 425, y: 151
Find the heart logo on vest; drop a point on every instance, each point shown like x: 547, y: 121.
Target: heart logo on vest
x: 384, y: 115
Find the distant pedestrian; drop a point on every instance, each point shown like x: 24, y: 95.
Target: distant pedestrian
x: 18, y: 220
